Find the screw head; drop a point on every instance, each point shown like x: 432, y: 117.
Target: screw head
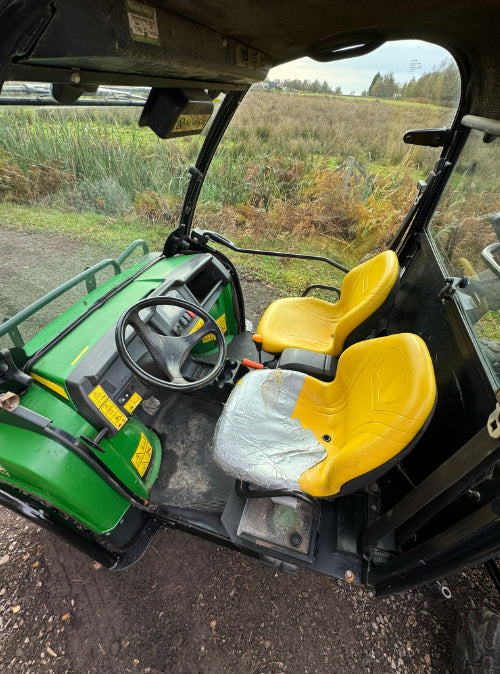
x: 75, y: 78
x: 349, y: 576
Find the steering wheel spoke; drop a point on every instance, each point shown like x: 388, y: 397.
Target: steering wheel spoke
x: 169, y: 352
x: 153, y: 341
x: 194, y: 338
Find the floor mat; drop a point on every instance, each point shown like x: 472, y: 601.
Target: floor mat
x: 188, y: 475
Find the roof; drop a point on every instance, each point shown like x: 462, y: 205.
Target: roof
x: 232, y: 43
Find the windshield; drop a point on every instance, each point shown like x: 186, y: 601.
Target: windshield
x: 314, y: 160
x: 312, y: 163
x: 80, y: 183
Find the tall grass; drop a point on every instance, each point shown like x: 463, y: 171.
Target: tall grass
x: 85, y: 149
x: 277, y: 168
x: 306, y: 126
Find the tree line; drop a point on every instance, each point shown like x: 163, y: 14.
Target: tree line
x: 441, y: 86
x: 315, y: 87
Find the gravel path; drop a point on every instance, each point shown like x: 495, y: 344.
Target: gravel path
x: 189, y: 606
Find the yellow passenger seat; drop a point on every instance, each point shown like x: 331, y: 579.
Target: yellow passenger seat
x: 315, y: 325
x: 282, y: 429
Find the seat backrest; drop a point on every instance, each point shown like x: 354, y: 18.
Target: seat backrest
x: 364, y: 290
x: 382, y: 396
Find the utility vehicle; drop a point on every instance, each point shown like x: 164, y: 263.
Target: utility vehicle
x: 358, y: 437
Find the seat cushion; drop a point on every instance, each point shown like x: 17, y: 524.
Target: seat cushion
x: 256, y: 438
x: 299, y: 323
x: 284, y: 429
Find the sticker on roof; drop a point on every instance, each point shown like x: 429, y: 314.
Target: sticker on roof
x: 143, y: 22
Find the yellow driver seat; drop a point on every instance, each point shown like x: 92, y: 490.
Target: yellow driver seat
x: 315, y: 325
x: 282, y: 429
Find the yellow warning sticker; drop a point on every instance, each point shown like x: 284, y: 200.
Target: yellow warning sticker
x: 132, y: 402
x: 98, y: 396
x: 142, y: 455
x: 221, y: 322
x: 196, y: 326
x: 107, y: 407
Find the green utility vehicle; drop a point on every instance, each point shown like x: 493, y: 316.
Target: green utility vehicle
x: 358, y: 437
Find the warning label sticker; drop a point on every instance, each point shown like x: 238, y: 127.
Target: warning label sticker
x: 197, y: 325
x: 107, y: 407
x: 98, y: 396
x: 221, y: 322
x: 143, y: 23
x: 132, y: 402
x: 142, y: 455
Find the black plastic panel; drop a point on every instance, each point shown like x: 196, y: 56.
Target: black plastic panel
x: 465, y: 393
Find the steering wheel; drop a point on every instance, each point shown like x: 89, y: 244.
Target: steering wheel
x: 168, y: 351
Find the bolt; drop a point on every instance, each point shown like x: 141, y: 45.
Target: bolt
x: 9, y: 401
x: 349, y: 576
x: 75, y: 78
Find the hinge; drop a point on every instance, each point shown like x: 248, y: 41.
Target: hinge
x: 422, y: 185
x: 452, y: 284
x: 196, y: 173
x: 494, y: 419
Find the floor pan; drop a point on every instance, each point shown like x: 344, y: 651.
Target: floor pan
x: 188, y: 475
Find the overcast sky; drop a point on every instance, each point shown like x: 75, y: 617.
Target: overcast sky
x: 406, y: 59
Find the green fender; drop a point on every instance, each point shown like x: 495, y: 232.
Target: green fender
x: 39, y: 465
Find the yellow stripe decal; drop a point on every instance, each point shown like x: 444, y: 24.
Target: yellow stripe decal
x: 50, y: 384
x: 80, y: 355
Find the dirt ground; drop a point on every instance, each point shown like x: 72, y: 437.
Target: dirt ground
x: 189, y: 606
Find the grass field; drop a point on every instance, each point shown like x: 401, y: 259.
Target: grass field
x: 282, y: 178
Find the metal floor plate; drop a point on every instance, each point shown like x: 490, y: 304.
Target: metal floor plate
x: 188, y: 475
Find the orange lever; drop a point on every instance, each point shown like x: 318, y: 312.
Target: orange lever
x: 252, y: 364
x: 257, y: 340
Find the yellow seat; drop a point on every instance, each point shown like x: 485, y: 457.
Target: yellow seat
x: 315, y: 325
x: 285, y: 430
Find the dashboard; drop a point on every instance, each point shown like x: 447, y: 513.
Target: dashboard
x: 98, y: 384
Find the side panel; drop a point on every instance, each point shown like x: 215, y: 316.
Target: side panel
x: 37, y: 464
x: 465, y: 396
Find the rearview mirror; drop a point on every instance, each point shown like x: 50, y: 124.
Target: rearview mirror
x: 171, y: 113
